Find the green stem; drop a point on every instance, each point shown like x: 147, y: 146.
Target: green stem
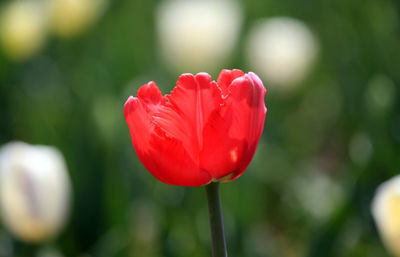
x: 216, y: 222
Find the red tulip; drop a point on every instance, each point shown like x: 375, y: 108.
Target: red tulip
x: 203, y: 131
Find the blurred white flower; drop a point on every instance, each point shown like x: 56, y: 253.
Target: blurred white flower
x: 68, y: 18
x: 197, y: 35
x: 34, y: 190
x: 317, y: 193
x: 22, y: 29
x: 386, y: 212
x: 281, y: 50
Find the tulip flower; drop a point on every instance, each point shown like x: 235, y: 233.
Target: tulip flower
x: 203, y: 132
x: 386, y: 212
x: 34, y: 191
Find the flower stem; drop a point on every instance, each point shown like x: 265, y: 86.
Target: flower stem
x: 216, y: 222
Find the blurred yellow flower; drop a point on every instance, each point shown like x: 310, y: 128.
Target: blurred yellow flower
x: 386, y: 212
x: 68, y: 18
x: 34, y: 190
x: 22, y: 29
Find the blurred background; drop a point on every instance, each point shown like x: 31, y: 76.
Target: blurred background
x: 332, y: 132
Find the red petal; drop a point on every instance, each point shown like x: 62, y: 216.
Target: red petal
x: 138, y: 114
x: 150, y: 95
x: 140, y: 124
x: 226, y: 77
x: 231, y: 136
x: 190, y: 105
x: 171, y: 163
x: 164, y: 157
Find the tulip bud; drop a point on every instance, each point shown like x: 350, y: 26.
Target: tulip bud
x: 22, y: 29
x: 34, y: 190
x: 386, y: 212
x: 197, y: 35
x: 69, y: 18
x: 281, y: 50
